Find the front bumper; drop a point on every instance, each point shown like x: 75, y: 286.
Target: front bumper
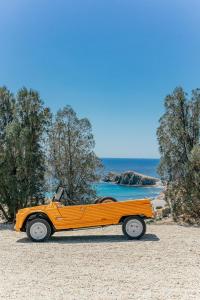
x: 19, y: 221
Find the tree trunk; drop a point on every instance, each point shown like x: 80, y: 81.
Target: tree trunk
x: 4, y: 213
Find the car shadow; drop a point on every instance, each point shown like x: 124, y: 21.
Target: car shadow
x: 94, y: 239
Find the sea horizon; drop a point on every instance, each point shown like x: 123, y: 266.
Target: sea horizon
x: 147, y: 158
x: 146, y: 166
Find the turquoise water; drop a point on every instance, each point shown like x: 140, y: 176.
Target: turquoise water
x: 145, y: 166
x: 122, y: 192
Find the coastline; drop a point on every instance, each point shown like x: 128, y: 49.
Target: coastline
x: 137, y: 185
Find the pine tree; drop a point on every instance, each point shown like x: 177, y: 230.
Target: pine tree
x: 179, y: 137
x: 73, y: 161
x: 23, y: 123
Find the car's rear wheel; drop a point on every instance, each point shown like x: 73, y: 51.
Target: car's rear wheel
x: 134, y: 227
x: 106, y: 200
x: 38, y: 230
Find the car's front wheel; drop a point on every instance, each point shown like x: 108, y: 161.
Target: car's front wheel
x: 134, y: 227
x: 38, y: 230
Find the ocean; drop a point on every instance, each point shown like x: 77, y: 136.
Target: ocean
x: 144, y: 166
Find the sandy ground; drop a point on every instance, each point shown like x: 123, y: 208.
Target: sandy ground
x: 102, y: 264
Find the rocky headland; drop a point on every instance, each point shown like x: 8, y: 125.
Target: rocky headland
x: 131, y: 178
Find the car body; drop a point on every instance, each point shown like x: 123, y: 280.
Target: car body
x: 60, y: 217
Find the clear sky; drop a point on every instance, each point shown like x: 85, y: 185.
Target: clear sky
x: 112, y: 61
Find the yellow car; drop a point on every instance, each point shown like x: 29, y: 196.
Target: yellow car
x: 40, y: 222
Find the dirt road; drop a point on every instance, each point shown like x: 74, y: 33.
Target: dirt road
x: 102, y: 264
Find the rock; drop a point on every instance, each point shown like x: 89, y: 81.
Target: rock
x: 166, y: 212
x: 111, y: 177
x: 162, y: 212
x: 130, y: 178
x: 159, y: 202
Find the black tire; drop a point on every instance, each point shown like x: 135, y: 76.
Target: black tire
x: 43, y: 225
x: 52, y: 232
x: 138, y: 231
x: 107, y: 200
x: 97, y: 201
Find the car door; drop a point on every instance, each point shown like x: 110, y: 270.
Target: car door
x: 71, y: 214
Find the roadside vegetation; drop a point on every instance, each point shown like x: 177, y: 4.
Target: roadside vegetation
x: 179, y: 136
x: 35, y: 144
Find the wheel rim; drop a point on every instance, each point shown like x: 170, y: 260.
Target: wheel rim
x: 134, y: 228
x: 38, y: 231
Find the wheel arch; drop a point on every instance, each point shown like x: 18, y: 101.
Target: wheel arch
x: 35, y: 215
x: 121, y: 220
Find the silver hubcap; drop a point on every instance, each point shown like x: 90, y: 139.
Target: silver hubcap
x: 38, y: 231
x: 134, y: 228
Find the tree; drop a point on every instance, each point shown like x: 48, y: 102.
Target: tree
x: 24, y: 121
x: 179, y: 136
x: 7, y: 104
x: 72, y: 158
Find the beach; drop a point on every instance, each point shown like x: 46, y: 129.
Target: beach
x: 102, y: 264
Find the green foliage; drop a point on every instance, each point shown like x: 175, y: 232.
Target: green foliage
x: 178, y: 137
x: 23, y: 121
x: 31, y: 145
x: 72, y: 158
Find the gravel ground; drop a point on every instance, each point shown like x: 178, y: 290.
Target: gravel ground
x: 102, y: 264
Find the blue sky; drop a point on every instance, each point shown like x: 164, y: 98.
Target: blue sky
x: 112, y: 61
